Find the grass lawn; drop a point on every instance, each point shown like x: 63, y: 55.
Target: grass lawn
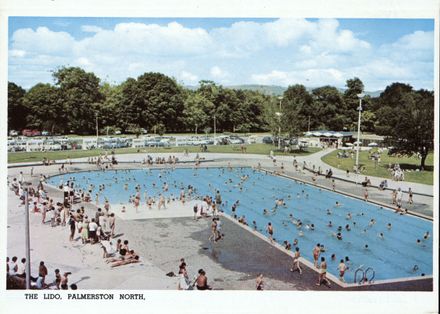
x: 263, y: 149
x: 381, y: 170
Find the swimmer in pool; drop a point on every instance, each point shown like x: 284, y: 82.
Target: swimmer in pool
x: 254, y: 225
x: 347, y: 227
x: 366, y: 247
x: 329, y: 212
x: 310, y: 227
x: 419, y: 243
x: 426, y: 235
x: 389, y: 226
x: 337, y: 235
x: 371, y: 223
x: 337, y: 204
x: 348, y: 217
x: 330, y: 224
x: 381, y: 236
x: 295, y: 242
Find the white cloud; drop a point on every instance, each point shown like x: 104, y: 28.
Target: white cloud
x: 218, y: 73
x: 42, y: 40
x: 283, y: 51
x: 83, y: 61
x: 17, y: 53
x: 188, y: 77
x: 310, y: 77
x: 91, y: 28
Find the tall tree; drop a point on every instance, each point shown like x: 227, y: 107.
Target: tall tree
x: 17, y: 112
x: 45, y: 109
x: 351, y: 102
x: 196, y: 109
x: 407, y: 120
x: 153, y: 100
x: 110, y: 107
x: 296, y: 109
x: 329, y: 108
x: 389, y: 106
x: 81, y: 97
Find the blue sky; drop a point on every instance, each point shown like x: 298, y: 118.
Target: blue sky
x: 313, y: 52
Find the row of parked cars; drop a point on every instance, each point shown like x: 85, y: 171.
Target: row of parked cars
x: 22, y: 143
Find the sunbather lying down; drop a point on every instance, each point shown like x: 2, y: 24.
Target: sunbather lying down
x: 129, y: 260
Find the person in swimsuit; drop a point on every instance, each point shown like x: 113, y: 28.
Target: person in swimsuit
x: 410, y: 196
x: 342, y: 268
x: 323, y: 273
x: 316, y: 253
x: 64, y: 280
x: 426, y: 235
x: 72, y: 224
x: 202, y: 281
x: 295, y: 264
x: 213, y: 230
x: 259, y: 283
x: 269, y: 230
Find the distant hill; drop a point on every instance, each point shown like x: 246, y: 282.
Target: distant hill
x: 272, y: 90
x: 276, y: 90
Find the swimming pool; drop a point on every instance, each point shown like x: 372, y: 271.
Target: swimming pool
x: 393, y: 256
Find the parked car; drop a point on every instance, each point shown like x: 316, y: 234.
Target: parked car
x: 267, y: 140
x: 30, y: 132
x: 252, y: 139
x: 235, y: 140
x: 222, y: 140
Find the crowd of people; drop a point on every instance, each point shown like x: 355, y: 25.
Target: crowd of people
x: 91, y: 230
x: 101, y: 227
x: 16, y: 276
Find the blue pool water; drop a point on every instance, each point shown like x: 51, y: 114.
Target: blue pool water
x: 392, y: 257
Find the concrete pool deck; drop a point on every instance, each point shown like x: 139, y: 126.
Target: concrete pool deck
x: 230, y: 264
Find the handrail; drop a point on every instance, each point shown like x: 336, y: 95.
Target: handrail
x: 372, y: 277
x: 355, y: 275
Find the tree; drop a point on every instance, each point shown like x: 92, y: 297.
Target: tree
x: 81, y: 96
x: 351, y: 101
x: 152, y: 99
x: 389, y: 105
x: 109, y: 108
x: 45, y: 110
x: 16, y: 110
x: 329, y: 108
x: 296, y: 109
x: 249, y: 112
x: 407, y: 120
x: 196, y: 111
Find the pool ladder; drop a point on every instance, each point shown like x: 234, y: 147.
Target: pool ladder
x: 364, y: 275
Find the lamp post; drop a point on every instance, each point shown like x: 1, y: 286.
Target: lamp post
x: 279, y: 114
x: 27, y: 234
x: 215, y: 130
x: 359, y: 131
x: 97, y: 128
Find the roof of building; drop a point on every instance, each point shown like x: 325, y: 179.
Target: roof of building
x: 325, y: 133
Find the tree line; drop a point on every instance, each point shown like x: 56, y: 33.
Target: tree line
x: 157, y: 103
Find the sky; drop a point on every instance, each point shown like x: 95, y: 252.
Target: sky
x: 277, y: 51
